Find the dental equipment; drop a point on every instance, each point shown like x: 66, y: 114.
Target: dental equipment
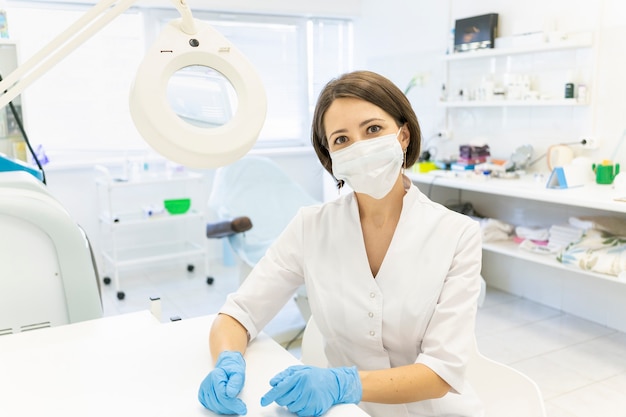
x: 65, y: 288
x: 184, y: 42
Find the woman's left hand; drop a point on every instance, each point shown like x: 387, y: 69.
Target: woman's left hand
x: 311, y: 391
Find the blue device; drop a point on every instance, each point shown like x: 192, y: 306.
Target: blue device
x: 12, y: 164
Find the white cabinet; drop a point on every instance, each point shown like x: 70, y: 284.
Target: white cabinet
x: 527, y: 201
x: 137, y: 231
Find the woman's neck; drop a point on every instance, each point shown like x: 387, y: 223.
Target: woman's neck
x: 378, y: 212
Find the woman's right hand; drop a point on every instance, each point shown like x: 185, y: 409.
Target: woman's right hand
x: 219, y: 390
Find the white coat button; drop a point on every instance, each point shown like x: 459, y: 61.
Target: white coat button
x: 372, y: 295
x: 370, y: 314
x: 372, y: 333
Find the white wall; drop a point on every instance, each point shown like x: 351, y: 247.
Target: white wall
x: 318, y: 7
x: 400, y: 39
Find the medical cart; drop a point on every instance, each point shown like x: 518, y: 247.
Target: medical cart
x: 137, y: 229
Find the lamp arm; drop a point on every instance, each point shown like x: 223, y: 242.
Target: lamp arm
x: 100, y: 15
x: 187, y: 25
x: 162, y: 128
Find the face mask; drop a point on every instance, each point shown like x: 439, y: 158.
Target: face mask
x: 370, y: 166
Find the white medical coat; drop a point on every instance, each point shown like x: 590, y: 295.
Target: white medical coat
x: 420, y: 308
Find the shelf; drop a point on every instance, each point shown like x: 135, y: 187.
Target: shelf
x: 513, y: 103
x: 594, y: 196
x: 124, y: 207
x: 146, y: 179
x: 154, y: 253
x: 550, y: 98
x: 138, y: 218
x: 512, y: 249
x: 495, y: 52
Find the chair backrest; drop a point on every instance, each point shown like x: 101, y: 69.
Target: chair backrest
x: 47, y: 273
x: 313, y: 345
x: 503, y: 390
x: 258, y: 188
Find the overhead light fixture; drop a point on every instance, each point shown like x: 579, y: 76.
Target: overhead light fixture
x: 184, y: 43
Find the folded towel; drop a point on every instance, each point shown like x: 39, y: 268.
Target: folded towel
x: 494, y: 230
x: 532, y: 233
x: 615, y: 226
x: 563, y: 235
x: 598, y: 252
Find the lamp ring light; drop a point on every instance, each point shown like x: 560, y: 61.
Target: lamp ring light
x: 170, y: 135
x: 184, y: 42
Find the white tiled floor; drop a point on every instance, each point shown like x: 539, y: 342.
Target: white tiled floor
x: 580, y: 366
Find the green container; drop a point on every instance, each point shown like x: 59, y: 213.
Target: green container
x: 177, y: 206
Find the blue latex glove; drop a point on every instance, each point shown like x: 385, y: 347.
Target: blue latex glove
x: 311, y: 391
x: 218, y: 391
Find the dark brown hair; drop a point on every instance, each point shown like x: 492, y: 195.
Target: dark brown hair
x: 376, y: 89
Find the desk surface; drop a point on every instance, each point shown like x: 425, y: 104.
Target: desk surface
x: 128, y: 365
x: 595, y: 196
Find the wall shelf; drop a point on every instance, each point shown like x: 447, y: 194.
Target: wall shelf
x: 527, y: 75
x: 537, y: 276
x: 511, y: 248
x: 529, y: 49
x: 513, y: 103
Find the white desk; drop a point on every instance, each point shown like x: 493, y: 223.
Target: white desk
x: 128, y: 365
x: 593, y: 196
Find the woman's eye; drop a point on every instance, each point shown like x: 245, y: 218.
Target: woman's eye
x: 339, y: 140
x: 374, y: 129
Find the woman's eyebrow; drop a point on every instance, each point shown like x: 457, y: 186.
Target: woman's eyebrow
x: 368, y: 121
x: 363, y: 123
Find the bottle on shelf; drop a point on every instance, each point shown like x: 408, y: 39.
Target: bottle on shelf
x: 569, y: 85
x: 444, y: 93
x: 582, y: 93
x: 450, y: 47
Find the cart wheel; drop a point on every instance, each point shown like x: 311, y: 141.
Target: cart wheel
x: 190, y: 268
x: 120, y: 295
x: 106, y: 280
x: 209, y: 280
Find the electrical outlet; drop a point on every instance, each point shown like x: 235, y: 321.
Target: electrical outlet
x: 444, y: 134
x: 589, y: 142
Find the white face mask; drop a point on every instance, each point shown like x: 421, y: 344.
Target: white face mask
x: 370, y: 166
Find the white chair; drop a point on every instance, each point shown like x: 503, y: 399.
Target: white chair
x: 312, y: 351
x: 259, y: 189
x: 47, y: 272
x: 503, y: 390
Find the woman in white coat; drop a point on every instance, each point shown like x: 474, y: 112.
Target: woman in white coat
x: 392, y: 278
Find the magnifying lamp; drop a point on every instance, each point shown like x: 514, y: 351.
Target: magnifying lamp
x: 184, y: 43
